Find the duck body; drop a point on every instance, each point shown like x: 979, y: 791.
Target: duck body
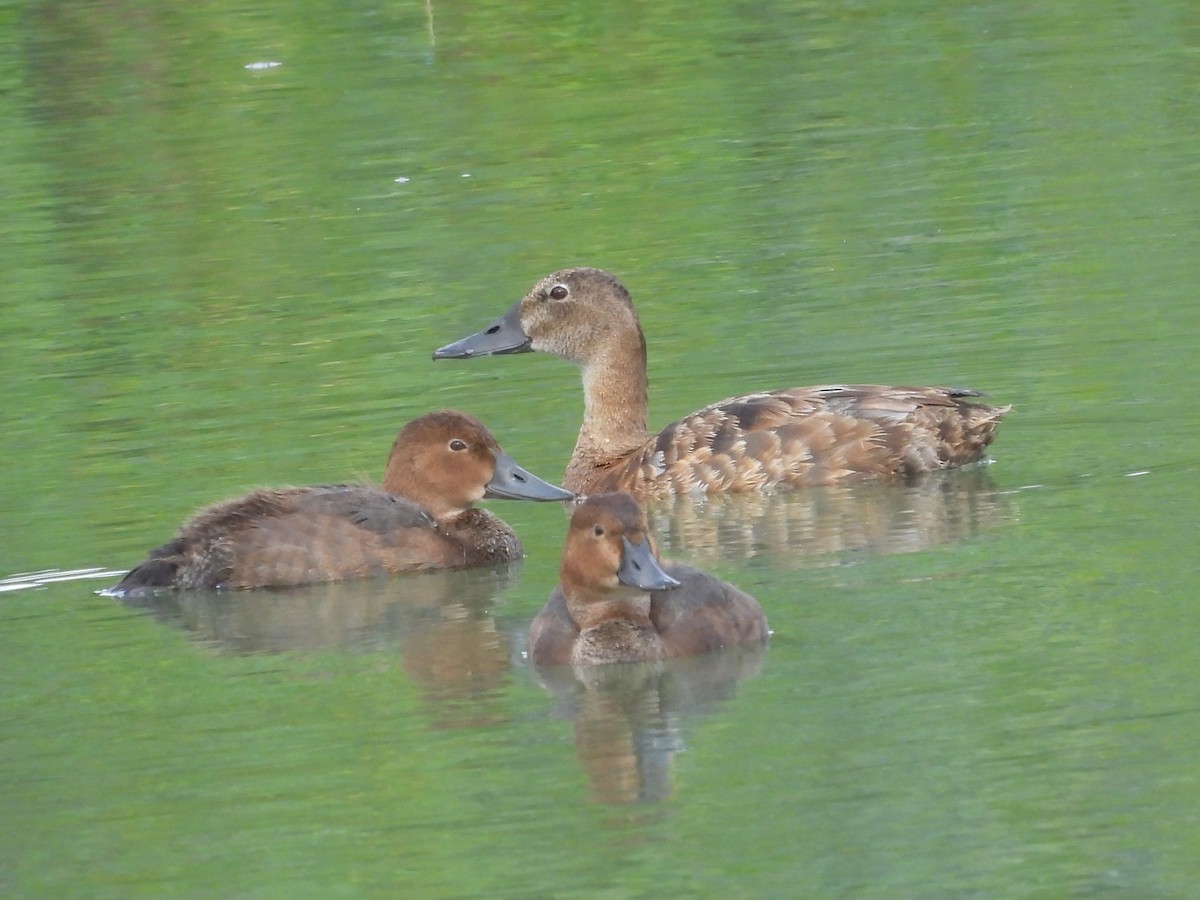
x: 286, y: 537
x: 616, y: 603
x: 789, y: 438
x: 422, y: 518
x: 801, y: 437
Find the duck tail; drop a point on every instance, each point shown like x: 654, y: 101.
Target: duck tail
x: 159, y: 570
x: 977, y: 429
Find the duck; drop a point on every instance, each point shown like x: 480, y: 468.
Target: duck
x: 778, y: 439
x: 616, y: 602
x: 421, y: 518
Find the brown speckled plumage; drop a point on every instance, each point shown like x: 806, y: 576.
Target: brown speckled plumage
x: 802, y: 437
x: 789, y: 438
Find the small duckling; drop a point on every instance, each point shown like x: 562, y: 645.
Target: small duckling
x: 422, y: 518
x: 616, y: 603
x: 795, y: 437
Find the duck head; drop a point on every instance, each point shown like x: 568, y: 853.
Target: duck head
x: 569, y: 313
x: 608, y: 553
x: 447, y: 461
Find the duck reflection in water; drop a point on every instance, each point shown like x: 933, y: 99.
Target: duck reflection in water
x: 439, y: 626
x: 630, y: 719
x: 826, y: 525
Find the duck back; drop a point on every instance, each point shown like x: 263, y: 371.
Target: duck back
x: 705, y: 614
x: 292, y: 536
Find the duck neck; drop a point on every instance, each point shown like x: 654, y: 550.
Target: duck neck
x: 614, y: 403
x: 402, y: 480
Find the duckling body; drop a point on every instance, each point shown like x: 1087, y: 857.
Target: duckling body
x: 615, y: 602
x: 421, y: 518
x: 787, y: 438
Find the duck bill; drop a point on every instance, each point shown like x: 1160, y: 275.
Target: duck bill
x: 505, y: 335
x: 641, y: 570
x: 511, y: 482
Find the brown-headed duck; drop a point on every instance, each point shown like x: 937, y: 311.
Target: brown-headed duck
x: 421, y: 519
x: 615, y: 602
x: 787, y: 438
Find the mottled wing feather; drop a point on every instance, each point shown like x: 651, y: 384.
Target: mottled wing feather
x: 807, y: 437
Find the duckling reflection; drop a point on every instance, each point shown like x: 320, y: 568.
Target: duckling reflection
x: 821, y: 525
x: 630, y: 718
x: 440, y: 622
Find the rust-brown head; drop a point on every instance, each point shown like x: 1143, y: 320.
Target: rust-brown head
x: 447, y: 461
x: 573, y: 313
x: 608, y: 553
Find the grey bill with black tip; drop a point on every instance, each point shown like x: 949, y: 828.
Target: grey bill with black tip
x: 640, y: 569
x: 511, y: 482
x: 505, y: 335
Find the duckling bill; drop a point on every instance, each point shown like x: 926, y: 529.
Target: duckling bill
x: 616, y: 602
x: 421, y: 518
x: 789, y: 438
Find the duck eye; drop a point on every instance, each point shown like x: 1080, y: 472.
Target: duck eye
x: 598, y: 530
x: 458, y: 446
x: 558, y: 292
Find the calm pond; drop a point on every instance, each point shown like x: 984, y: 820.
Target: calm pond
x: 230, y: 239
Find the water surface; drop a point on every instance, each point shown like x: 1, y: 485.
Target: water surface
x: 220, y: 275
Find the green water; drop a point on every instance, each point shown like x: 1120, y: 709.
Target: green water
x: 215, y: 277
